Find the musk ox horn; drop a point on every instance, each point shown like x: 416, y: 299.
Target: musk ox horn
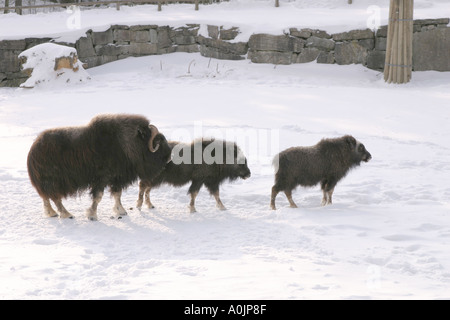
x: 154, y: 131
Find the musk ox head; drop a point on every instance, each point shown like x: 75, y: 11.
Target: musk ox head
x: 156, y: 143
x: 240, y: 165
x: 359, y: 151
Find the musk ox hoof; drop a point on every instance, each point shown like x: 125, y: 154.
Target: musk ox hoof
x: 51, y: 215
x: 272, y: 206
x: 92, y: 218
x: 293, y: 206
x: 192, y: 210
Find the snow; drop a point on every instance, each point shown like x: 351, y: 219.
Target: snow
x: 42, y: 58
x: 386, y: 236
x: 251, y: 16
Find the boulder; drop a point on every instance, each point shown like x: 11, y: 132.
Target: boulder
x: 431, y: 50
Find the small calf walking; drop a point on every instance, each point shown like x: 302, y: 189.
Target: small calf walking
x: 326, y: 163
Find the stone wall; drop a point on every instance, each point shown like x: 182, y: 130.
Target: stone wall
x: 431, y: 46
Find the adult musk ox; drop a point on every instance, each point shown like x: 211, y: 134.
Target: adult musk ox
x: 326, y: 163
x: 111, y: 151
x: 206, y: 162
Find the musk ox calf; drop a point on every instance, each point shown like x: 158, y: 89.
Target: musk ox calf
x: 111, y: 151
x: 206, y: 162
x: 326, y: 163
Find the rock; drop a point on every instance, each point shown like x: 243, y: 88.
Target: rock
x: 297, y: 44
x: 13, y: 45
x: 382, y: 32
x: 350, y: 52
x: 320, y: 43
x: 354, y: 35
x: 85, y: 47
x: 326, y: 57
x: 320, y: 34
x: 425, y: 22
x: 307, y: 55
x: 274, y: 57
x: 102, y: 38
x: 215, y: 53
x: 267, y: 42
x: 110, y: 50
x: 142, y: 49
x: 303, y: 33
x: 121, y: 34
x: 213, y: 32
x: 164, y: 37
x: 228, y: 34
x: 140, y: 36
x: 189, y: 48
x: 376, y: 60
x: 431, y: 50
x: 9, y: 62
x: 380, y: 43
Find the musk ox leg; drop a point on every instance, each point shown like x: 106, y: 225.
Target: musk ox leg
x: 213, y: 189
x: 48, y: 210
x: 63, y: 213
x: 327, y: 189
x: 327, y: 197
x: 289, y: 197
x: 118, y: 208
x: 147, y: 201
x: 193, y: 191
x: 91, y: 213
x: 144, y: 190
x: 192, y: 202
x: 218, y: 201
x: 273, y: 196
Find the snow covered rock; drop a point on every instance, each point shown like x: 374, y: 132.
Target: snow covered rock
x: 50, y: 63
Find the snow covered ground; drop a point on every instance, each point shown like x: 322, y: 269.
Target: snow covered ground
x: 387, y: 235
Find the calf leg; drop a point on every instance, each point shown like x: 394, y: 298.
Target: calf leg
x: 289, y: 197
x: 213, y: 189
x: 91, y: 213
x: 327, y: 189
x: 193, y: 191
x: 144, y: 190
x: 63, y: 213
x: 118, y: 209
x: 275, y: 191
x: 148, y: 203
x: 218, y: 201
x: 48, y: 210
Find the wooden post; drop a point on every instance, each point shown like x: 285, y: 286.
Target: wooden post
x: 159, y: 5
x: 196, y: 5
x: 277, y: 3
x: 398, y: 63
x: 6, y: 6
x: 19, y: 7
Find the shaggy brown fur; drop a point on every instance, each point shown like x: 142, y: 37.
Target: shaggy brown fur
x: 199, y: 170
x: 111, y: 151
x: 326, y: 163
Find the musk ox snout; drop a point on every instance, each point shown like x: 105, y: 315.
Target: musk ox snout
x: 244, y: 171
x: 326, y: 163
x: 361, y: 150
